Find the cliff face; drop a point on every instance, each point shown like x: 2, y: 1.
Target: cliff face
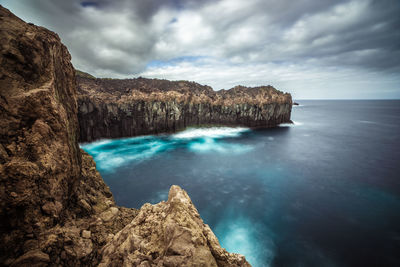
x: 110, y: 108
x: 49, y: 189
x: 54, y: 206
x: 39, y: 154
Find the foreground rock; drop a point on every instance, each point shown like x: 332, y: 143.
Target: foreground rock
x: 54, y: 206
x: 168, y: 234
x: 110, y: 108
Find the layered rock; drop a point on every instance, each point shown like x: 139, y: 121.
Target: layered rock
x: 110, y: 108
x: 55, y: 208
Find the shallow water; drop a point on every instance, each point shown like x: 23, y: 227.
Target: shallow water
x: 321, y: 192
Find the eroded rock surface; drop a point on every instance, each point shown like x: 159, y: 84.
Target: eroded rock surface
x: 110, y: 108
x: 55, y: 209
x: 168, y: 234
x: 50, y: 190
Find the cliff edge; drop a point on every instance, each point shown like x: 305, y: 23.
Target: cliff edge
x: 55, y: 208
x: 111, y: 108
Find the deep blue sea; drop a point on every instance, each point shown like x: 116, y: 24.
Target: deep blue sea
x: 322, y: 192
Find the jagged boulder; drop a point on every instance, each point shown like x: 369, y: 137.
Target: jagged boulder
x: 168, y: 234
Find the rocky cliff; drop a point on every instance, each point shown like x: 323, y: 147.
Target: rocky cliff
x: 110, y: 108
x: 54, y: 206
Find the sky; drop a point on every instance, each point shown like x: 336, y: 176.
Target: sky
x: 313, y: 49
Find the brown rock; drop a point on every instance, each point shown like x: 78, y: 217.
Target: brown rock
x: 109, y: 214
x: 79, y: 248
x: 83, y: 203
x: 38, y: 129
x: 86, y: 234
x: 31, y: 244
x: 170, y: 234
x: 52, y: 208
x: 32, y: 258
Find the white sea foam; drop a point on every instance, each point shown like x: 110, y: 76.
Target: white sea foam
x: 110, y: 162
x: 295, y: 123
x: 206, y: 145
x: 95, y: 144
x: 213, y: 132
x: 111, y: 154
x: 239, y: 234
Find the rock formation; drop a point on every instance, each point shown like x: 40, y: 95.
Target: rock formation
x: 172, y: 229
x: 110, y: 108
x: 54, y: 206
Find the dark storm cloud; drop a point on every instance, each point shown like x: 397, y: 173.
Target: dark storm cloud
x: 121, y: 37
x: 284, y: 30
x: 110, y: 37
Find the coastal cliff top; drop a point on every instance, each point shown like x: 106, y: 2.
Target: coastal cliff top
x: 122, y: 90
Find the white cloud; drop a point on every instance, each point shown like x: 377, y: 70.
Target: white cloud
x: 302, y: 81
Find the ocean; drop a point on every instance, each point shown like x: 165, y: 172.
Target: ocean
x: 324, y: 191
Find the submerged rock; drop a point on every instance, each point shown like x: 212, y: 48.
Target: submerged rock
x: 55, y: 208
x: 110, y: 108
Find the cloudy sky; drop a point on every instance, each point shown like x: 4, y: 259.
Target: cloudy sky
x: 310, y: 48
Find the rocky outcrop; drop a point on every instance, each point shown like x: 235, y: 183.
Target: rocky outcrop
x: 55, y: 208
x: 168, y: 234
x: 110, y: 108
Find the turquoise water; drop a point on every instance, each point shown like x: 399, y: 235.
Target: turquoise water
x: 321, y: 192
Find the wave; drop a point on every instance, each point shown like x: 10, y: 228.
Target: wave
x: 206, y: 145
x: 239, y: 234
x: 293, y: 124
x: 117, y: 153
x: 110, y: 154
x: 212, y: 132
